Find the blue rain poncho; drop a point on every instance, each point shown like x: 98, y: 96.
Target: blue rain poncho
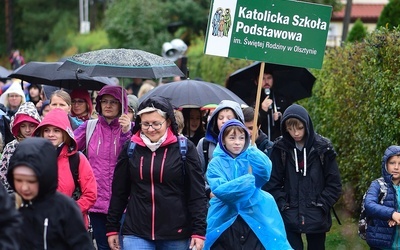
x: 238, y: 192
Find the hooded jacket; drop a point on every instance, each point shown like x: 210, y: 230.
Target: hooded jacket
x: 306, y: 193
x: 15, y: 88
x: 104, y: 146
x: 27, y: 112
x: 66, y: 185
x: 51, y: 220
x: 164, y: 196
x: 10, y: 221
x: 212, y: 130
x: 82, y: 94
x: 379, y: 234
x: 238, y: 192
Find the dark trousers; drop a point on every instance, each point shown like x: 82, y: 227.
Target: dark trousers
x: 98, y: 221
x: 314, y: 241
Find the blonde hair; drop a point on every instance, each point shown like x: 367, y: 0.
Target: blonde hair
x: 179, y: 120
x: 146, y: 87
x: 63, y: 95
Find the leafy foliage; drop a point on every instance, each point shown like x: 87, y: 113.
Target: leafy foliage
x: 390, y: 16
x: 358, y: 32
x: 355, y: 104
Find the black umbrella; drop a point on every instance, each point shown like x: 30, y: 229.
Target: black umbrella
x: 122, y: 63
x: 47, y: 73
x: 292, y: 82
x: 193, y: 94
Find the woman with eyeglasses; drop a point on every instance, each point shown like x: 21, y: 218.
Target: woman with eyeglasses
x: 163, y: 194
x: 112, y: 129
x: 81, y: 104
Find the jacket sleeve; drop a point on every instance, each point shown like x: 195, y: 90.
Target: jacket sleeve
x: 80, y: 136
x: 197, y: 200
x: 5, y: 157
x: 333, y: 185
x: 120, y: 191
x: 229, y: 191
x: 373, y: 208
x: 87, y: 182
x: 276, y: 183
x: 10, y: 221
x: 201, y: 154
x: 260, y: 164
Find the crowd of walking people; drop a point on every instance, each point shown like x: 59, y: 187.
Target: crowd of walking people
x: 82, y: 165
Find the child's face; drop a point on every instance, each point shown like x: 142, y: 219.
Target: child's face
x: 54, y: 134
x: 27, y: 186
x: 296, y: 132
x: 224, y: 115
x: 195, y: 120
x: 234, y: 141
x: 27, y: 128
x: 393, y: 168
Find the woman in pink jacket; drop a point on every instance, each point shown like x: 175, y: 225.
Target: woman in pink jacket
x: 57, y: 128
x: 111, y: 130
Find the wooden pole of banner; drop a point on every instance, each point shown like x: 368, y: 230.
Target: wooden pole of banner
x: 257, y: 107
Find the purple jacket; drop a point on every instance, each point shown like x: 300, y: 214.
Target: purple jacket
x: 104, y: 147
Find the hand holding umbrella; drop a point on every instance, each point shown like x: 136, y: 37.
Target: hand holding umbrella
x: 125, y: 123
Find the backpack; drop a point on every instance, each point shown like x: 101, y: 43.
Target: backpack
x: 90, y: 126
x: 363, y: 221
x: 74, y: 167
x: 182, y: 149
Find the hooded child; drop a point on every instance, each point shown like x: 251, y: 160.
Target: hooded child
x: 241, y: 215
x: 22, y: 126
x: 51, y: 220
x: 57, y: 128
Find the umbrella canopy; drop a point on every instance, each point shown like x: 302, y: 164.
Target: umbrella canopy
x: 292, y: 82
x: 47, y: 73
x: 4, y: 72
x: 122, y: 63
x: 193, y: 94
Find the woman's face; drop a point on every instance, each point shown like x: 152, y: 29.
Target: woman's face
x: 154, y: 125
x: 79, y: 107
x: 54, y: 134
x: 58, y: 102
x: 27, y: 128
x: 110, y: 107
x: 14, y: 100
x: 195, y: 119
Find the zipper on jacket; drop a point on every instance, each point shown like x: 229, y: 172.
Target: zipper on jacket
x: 115, y: 146
x: 98, y: 146
x: 141, y: 167
x: 45, y: 224
x: 153, y: 205
x: 162, y: 165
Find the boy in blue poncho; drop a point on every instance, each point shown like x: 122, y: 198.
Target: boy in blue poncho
x: 241, y: 215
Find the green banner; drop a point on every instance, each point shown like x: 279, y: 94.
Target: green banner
x: 274, y: 31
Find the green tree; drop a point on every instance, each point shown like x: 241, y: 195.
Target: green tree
x: 355, y: 104
x: 390, y: 16
x: 358, y: 32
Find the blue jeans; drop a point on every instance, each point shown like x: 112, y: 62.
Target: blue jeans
x: 98, y: 221
x: 133, y: 242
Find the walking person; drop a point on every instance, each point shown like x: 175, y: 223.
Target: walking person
x: 225, y: 111
x: 163, y: 192
x: 305, y: 179
x: 51, y: 220
x: 22, y: 126
x: 56, y: 128
x: 383, y: 212
x: 103, y: 145
x: 241, y: 215
x: 81, y: 104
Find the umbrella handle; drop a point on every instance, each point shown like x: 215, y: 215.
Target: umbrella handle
x: 78, y: 71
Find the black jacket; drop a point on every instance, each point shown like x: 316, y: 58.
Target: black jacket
x: 10, y: 222
x: 304, y: 196
x: 51, y: 219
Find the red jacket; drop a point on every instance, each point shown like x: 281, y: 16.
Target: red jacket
x: 86, y: 179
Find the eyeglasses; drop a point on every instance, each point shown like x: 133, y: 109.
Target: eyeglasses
x: 109, y: 102
x: 154, y: 125
x: 78, y: 101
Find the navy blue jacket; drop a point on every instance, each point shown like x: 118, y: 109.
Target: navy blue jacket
x: 379, y: 234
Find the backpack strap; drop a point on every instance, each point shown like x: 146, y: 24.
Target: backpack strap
x: 90, y: 126
x: 383, y: 190
x: 206, y: 147
x: 74, y: 167
x: 183, y: 150
x: 130, y: 149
